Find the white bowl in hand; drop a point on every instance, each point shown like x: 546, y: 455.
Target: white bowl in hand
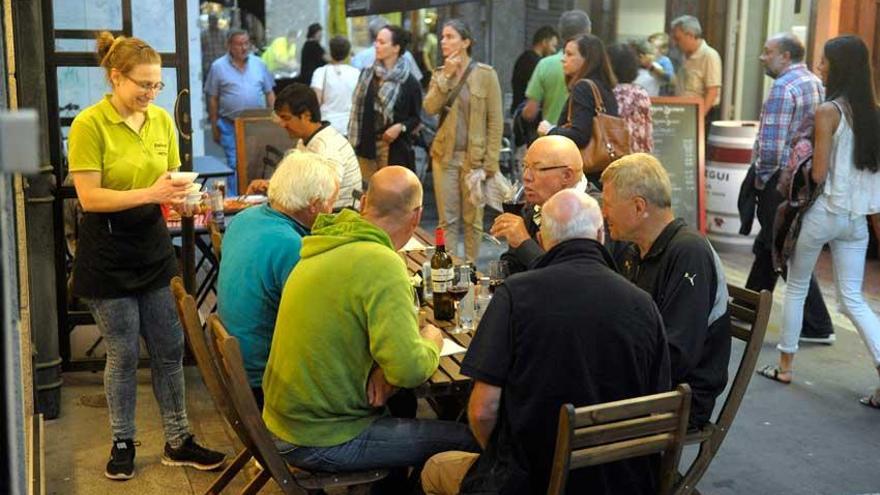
x: 187, y: 176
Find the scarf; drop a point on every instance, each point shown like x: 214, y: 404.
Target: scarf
x: 386, y: 97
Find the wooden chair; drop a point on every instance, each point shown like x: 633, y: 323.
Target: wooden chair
x: 614, y: 431
x: 257, y: 439
x: 749, y: 314
x: 195, y: 336
x: 216, y: 240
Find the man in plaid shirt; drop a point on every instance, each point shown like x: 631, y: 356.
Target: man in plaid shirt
x: 794, y: 96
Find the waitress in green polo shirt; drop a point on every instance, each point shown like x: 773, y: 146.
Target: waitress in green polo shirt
x: 121, y: 152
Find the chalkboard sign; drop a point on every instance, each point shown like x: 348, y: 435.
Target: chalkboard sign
x: 679, y: 143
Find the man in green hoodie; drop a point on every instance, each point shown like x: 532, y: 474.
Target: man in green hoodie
x: 346, y: 333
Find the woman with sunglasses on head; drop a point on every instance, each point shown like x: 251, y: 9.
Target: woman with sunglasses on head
x: 467, y: 97
x: 121, y: 152
x: 846, y: 158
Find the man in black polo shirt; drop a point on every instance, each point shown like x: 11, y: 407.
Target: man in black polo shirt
x: 678, y: 267
x: 571, y: 330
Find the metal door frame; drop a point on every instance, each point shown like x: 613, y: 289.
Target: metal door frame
x: 179, y: 60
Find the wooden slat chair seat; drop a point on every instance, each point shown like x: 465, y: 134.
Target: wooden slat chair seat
x: 256, y: 436
x: 614, y: 431
x: 749, y: 314
x: 195, y: 336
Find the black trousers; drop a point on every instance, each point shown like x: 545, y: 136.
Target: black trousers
x: 817, y: 321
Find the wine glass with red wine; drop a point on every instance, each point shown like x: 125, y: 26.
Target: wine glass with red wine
x: 515, y: 202
x: 498, y: 271
x: 461, y: 284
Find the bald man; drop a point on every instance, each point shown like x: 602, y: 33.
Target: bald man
x: 345, y: 320
x: 540, y: 315
x: 794, y: 96
x: 551, y: 164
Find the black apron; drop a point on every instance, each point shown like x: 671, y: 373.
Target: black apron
x: 123, y: 254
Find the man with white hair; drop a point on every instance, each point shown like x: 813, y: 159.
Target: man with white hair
x: 572, y: 330
x: 346, y: 334
x: 700, y: 74
x: 677, y: 266
x: 261, y: 247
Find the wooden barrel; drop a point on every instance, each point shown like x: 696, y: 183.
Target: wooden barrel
x: 727, y: 162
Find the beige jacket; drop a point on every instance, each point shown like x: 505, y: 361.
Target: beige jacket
x: 485, y: 121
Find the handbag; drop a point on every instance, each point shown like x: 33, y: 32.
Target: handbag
x: 610, y: 139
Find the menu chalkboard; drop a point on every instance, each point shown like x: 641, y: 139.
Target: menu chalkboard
x: 679, y: 143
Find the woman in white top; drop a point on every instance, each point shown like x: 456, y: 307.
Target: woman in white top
x: 334, y: 84
x: 846, y: 156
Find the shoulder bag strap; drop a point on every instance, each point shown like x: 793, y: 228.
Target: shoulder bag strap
x: 454, y: 94
x: 597, y: 97
x: 571, y: 101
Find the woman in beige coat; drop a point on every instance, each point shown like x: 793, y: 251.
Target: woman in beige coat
x: 465, y: 150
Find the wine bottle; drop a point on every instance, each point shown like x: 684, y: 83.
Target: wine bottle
x: 441, y: 279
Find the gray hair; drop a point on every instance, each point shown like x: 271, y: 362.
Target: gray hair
x: 574, y: 23
x: 688, y: 24
x: 463, y: 29
x: 640, y: 174
x: 571, y: 214
x: 301, y: 178
x: 788, y: 42
x: 235, y: 32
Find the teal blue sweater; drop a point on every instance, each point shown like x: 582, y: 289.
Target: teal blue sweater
x: 260, y: 248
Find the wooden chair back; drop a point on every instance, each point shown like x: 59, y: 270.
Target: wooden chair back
x: 255, y: 435
x: 614, y: 431
x: 749, y: 314
x: 207, y: 364
x: 195, y: 337
x: 216, y: 239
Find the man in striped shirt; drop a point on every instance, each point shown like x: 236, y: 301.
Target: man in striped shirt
x: 297, y: 110
x: 794, y: 96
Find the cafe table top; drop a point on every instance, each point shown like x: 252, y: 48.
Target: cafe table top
x: 447, y: 380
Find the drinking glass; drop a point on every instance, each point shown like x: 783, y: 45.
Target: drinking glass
x: 498, y: 271
x: 461, y: 284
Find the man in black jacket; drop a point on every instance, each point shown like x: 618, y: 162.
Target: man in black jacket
x: 681, y: 271
x: 571, y: 330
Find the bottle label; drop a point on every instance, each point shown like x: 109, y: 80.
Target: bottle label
x: 441, y: 279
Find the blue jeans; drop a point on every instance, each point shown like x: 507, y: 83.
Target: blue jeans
x: 121, y: 321
x: 848, y: 237
x: 227, y: 141
x: 387, y: 443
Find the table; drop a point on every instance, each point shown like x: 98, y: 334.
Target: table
x: 200, y: 230
x: 210, y: 167
x: 447, y: 380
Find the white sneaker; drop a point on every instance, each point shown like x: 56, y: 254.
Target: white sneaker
x: 827, y: 340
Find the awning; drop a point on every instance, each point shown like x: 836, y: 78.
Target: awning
x: 355, y: 8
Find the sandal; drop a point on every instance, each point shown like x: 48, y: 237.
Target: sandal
x: 773, y: 372
x: 870, y: 401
